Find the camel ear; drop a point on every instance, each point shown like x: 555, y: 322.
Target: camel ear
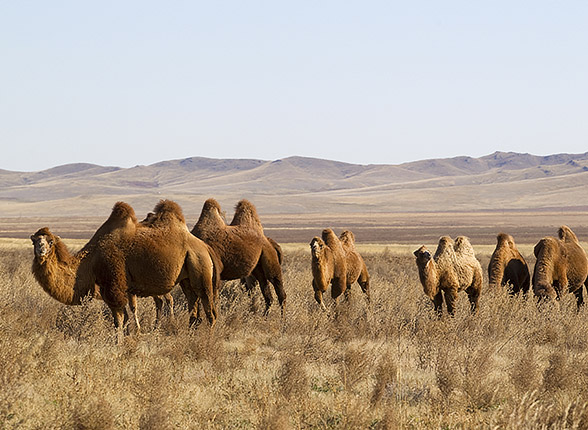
x: 33, y: 238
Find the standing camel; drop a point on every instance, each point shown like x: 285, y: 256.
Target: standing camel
x: 242, y: 247
x: 127, y: 258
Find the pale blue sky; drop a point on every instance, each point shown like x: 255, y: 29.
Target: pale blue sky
x: 135, y: 82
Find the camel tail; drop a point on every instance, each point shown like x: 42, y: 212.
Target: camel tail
x: 278, y: 249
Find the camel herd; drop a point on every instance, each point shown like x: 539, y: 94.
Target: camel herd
x: 561, y: 267
x: 127, y: 258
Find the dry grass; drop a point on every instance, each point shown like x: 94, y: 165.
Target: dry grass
x: 388, y: 365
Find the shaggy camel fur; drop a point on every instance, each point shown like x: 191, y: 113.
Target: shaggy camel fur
x: 452, y: 269
x: 125, y: 258
x: 242, y: 247
x: 329, y: 266
x: 356, y: 268
x: 561, y: 266
x: 507, y: 266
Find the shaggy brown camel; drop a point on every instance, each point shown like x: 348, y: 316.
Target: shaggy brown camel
x: 329, y: 266
x: 449, y: 271
x: 561, y: 266
x: 242, y: 247
x: 507, y: 266
x: 356, y: 268
x: 126, y: 258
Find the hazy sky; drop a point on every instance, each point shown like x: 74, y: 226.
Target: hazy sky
x: 136, y: 82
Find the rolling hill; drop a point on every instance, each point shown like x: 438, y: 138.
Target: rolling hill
x: 500, y: 181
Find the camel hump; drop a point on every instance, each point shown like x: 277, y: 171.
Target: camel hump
x: 504, y: 238
x: 566, y: 234
x: 246, y: 213
x: 347, y: 239
x: 166, y: 211
x: 211, y: 204
x: 463, y: 245
x: 445, y: 246
x: 122, y: 211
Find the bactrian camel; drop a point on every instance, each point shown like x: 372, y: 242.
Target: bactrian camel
x: 125, y: 257
x: 242, y: 247
x: 452, y: 269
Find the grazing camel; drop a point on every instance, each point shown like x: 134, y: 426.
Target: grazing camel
x: 242, y: 247
x: 329, y: 266
x: 452, y: 269
x: 507, y: 266
x: 355, y: 266
x: 561, y: 266
x: 125, y: 258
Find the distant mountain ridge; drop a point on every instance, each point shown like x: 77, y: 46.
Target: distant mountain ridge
x: 503, y: 180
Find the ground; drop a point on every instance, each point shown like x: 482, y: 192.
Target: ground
x: 391, y: 364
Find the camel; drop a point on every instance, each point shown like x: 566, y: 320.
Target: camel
x: 329, y: 266
x: 507, y: 266
x: 356, y: 268
x: 249, y: 282
x: 242, y: 247
x: 561, y: 266
x: 126, y: 258
x: 452, y: 269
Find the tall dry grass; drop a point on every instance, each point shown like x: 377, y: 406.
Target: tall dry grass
x: 386, y: 365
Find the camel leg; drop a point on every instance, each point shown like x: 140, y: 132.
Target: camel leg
x: 120, y: 318
x: 264, y: 287
x: 450, y: 299
x: 133, y: 308
x: 364, y: 283
x: 474, y: 296
x: 158, y: 309
x: 318, y: 295
x: 438, y: 303
x: 579, y: 297
x: 169, y: 301
x: 338, y: 287
x: 193, y: 303
x: 279, y: 289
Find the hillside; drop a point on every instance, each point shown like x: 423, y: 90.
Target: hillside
x: 504, y: 181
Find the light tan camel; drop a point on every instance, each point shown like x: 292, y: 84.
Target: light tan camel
x: 355, y: 266
x: 329, y: 266
x: 561, y: 266
x: 126, y: 258
x: 242, y: 247
x: 507, y: 266
x: 449, y: 271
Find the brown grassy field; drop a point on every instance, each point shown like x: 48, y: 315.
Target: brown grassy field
x: 388, y: 365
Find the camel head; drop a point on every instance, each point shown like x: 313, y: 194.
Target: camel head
x: 317, y: 246
x: 43, y: 243
x: 423, y: 255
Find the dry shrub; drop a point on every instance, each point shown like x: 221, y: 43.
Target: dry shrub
x: 292, y: 378
x: 93, y: 414
x: 392, y: 364
x: 386, y: 375
x: 357, y: 364
x: 525, y: 373
x: 532, y: 412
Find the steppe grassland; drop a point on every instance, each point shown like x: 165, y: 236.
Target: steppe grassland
x: 390, y: 364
